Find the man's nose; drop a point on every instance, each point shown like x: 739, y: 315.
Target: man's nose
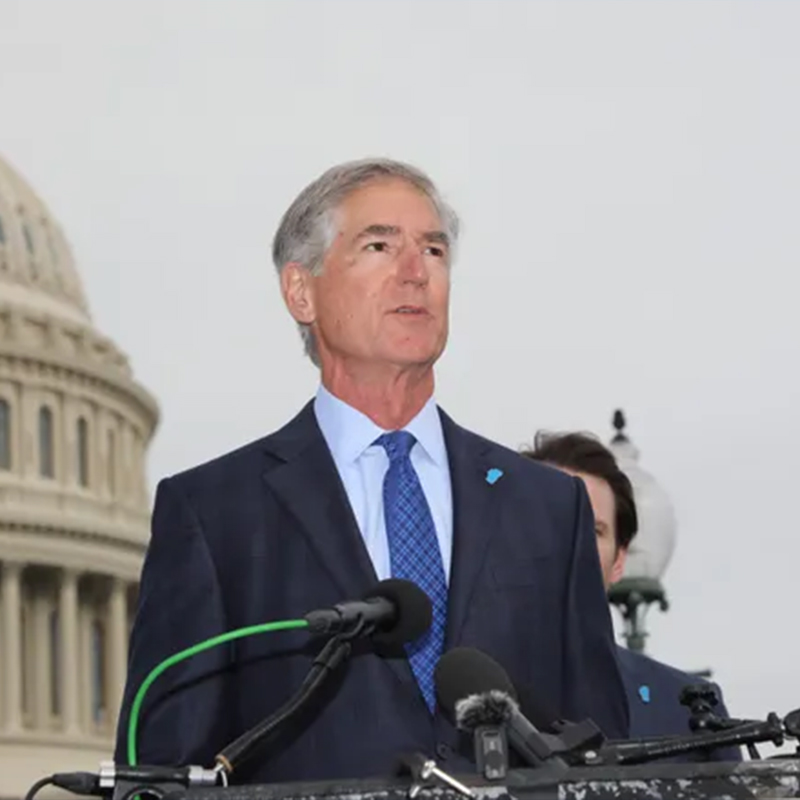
x: 412, y: 267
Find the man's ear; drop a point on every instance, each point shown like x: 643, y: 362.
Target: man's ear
x: 619, y: 564
x: 298, y: 292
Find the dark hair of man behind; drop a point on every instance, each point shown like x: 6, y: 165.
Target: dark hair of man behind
x: 582, y: 452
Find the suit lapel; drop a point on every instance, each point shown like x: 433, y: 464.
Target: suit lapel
x: 476, y: 507
x: 309, y: 487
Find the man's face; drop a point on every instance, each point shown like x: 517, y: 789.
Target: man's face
x: 382, y: 295
x: 601, y: 497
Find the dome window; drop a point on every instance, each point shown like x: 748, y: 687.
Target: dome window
x: 53, y: 251
x: 26, y: 232
x: 5, y: 435
x: 83, y: 452
x: 46, y: 459
x: 112, y: 464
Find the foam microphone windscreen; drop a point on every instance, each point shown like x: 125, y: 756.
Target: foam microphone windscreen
x: 486, y: 708
x: 413, y: 612
x: 465, y: 671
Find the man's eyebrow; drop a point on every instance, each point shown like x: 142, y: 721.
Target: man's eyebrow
x: 378, y: 230
x: 437, y: 237
x: 434, y: 237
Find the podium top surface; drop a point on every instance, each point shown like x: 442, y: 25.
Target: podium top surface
x: 774, y: 778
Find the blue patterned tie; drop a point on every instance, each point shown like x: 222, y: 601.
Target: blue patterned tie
x: 414, y: 552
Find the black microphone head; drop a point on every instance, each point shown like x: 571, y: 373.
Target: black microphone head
x: 465, y: 671
x: 413, y: 611
x: 487, y: 708
x: 792, y: 723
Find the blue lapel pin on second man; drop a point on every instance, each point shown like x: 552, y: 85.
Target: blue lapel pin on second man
x: 493, y: 475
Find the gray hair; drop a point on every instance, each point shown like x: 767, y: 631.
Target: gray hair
x: 308, y: 227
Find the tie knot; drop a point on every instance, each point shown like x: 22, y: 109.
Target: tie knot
x: 397, y: 444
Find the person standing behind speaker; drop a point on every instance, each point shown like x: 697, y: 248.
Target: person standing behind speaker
x: 370, y: 480
x: 652, y: 687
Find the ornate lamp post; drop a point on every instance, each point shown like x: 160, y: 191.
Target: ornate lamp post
x: 652, y: 547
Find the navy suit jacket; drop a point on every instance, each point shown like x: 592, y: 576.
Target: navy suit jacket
x: 266, y: 533
x: 653, y: 691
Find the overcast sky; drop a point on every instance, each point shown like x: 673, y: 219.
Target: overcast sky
x: 628, y: 176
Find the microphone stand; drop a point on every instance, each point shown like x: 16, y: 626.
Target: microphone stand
x: 351, y: 624
x: 639, y: 752
x: 145, y: 782
x: 333, y: 654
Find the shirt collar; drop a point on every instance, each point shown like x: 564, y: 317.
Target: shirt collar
x: 348, y: 432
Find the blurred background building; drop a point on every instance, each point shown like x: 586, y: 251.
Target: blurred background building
x: 74, y: 505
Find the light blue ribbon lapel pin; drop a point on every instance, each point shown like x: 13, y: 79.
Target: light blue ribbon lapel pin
x: 644, y: 693
x: 493, y: 475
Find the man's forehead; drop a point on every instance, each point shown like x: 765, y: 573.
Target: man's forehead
x: 382, y: 202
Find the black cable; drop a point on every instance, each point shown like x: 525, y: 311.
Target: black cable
x: 38, y: 786
x: 77, y: 782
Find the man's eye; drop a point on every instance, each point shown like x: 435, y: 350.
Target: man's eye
x: 377, y: 247
x: 600, y: 532
x: 436, y: 251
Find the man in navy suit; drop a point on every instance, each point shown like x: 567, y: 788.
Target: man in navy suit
x: 653, y: 689
x: 370, y: 480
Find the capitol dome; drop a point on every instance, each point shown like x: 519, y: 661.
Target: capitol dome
x: 74, y: 506
x: 36, y: 266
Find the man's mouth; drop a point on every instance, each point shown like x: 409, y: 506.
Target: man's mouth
x: 410, y: 310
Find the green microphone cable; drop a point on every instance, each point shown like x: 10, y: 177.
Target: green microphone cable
x: 239, y: 633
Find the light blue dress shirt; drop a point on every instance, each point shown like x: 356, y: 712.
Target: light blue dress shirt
x: 362, y: 465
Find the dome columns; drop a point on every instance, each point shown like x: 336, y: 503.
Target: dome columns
x: 11, y: 652
x: 63, y: 652
x: 118, y: 641
x: 68, y: 616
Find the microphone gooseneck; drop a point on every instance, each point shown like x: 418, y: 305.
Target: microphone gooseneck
x: 393, y: 612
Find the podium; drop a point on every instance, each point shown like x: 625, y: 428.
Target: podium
x: 748, y: 780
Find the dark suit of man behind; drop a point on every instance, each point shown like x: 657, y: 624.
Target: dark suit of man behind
x: 653, y: 689
x: 269, y: 532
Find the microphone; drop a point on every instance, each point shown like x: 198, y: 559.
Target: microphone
x: 476, y: 691
x: 792, y: 723
x: 395, y: 611
x: 392, y: 613
x: 484, y: 716
x: 640, y: 751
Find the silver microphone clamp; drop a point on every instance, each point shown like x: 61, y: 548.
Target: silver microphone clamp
x: 424, y: 769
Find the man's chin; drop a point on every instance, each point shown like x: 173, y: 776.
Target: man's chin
x: 410, y: 356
